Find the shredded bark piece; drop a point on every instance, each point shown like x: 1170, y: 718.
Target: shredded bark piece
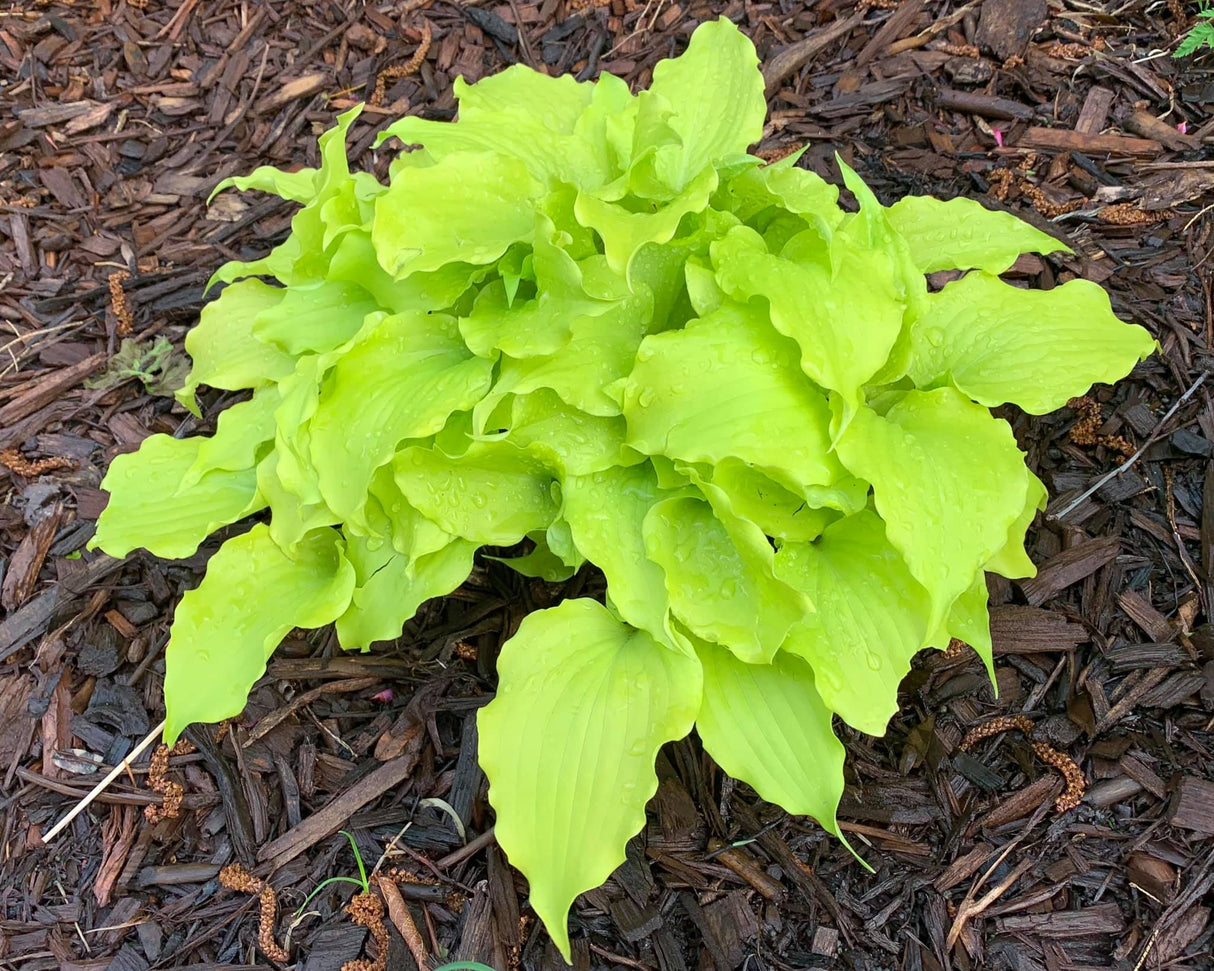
x: 1013, y: 62
x: 367, y: 910
x: 1076, y: 785
x: 236, y: 877
x: 12, y: 459
x: 173, y: 792
x: 119, y: 305
x: 774, y: 154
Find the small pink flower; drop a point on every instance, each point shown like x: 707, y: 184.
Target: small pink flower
x: 1183, y: 128
x: 998, y: 136
x: 383, y: 697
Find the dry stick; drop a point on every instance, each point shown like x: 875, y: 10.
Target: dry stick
x: 100, y: 786
x: 1154, y: 437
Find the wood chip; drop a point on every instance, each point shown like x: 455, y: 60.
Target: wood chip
x: 1063, y: 140
x: 1193, y: 805
x: 1068, y: 567
x: 329, y: 820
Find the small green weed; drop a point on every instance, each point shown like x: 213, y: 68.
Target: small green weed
x: 362, y: 880
x: 1200, y: 35
x: 160, y: 369
x: 464, y: 966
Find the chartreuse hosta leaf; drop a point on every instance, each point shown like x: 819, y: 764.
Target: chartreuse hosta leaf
x: 391, y: 586
x: 401, y: 380
x: 728, y: 386
x: 587, y: 320
x: 767, y: 725
x: 872, y: 617
x: 961, y: 234
x: 225, y: 351
x: 947, y: 479
x: 720, y: 579
x: 584, y: 703
x: 713, y: 97
x: 152, y: 507
x: 1036, y: 349
x: 606, y: 514
x: 844, y: 319
x: 467, y: 207
x: 217, y: 642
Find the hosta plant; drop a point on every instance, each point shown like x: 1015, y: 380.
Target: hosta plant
x: 588, y: 319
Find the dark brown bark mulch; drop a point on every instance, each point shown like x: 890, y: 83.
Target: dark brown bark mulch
x: 119, y: 117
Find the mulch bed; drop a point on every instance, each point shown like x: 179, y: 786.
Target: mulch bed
x: 119, y: 117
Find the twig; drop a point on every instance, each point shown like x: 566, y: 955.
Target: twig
x: 1154, y: 437
x: 113, y: 774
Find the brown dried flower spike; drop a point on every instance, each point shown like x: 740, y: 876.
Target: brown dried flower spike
x: 1076, y: 785
x: 118, y: 304
x: 236, y: 877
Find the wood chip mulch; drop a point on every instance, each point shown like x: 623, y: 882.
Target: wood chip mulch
x: 118, y: 119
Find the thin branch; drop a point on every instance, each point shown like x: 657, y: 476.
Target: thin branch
x: 100, y: 786
x: 1155, y: 435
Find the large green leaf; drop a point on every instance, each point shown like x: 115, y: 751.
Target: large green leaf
x: 961, y: 234
x: 766, y: 725
x: 872, y: 617
x: 948, y: 480
x: 225, y: 629
x: 624, y: 231
x: 297, y: 186
x: 783, y: 187
x: 225, y: 352
x: 468, y: 207
x: 600, y: 349
x: 713, y: 101
x: 519, y: 113
x: 726, y: 386
x: 720, y: 577
x: 494, y: 494
x: 1012, y: 561
x: 606, y: 513
x: 305, y: 184
x: 388, y: 595
x: 155, y: 504
x: 844, y: 319
x: 584, y: 703
x: 241, y: 431
x: 969, y: 621
x: 780, y: 513
x: 568, y: 441
x: 315, y: 319
x: 1034, y: 348
x: 401, y: 380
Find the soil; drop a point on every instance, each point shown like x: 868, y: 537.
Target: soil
x: 119, y: 117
